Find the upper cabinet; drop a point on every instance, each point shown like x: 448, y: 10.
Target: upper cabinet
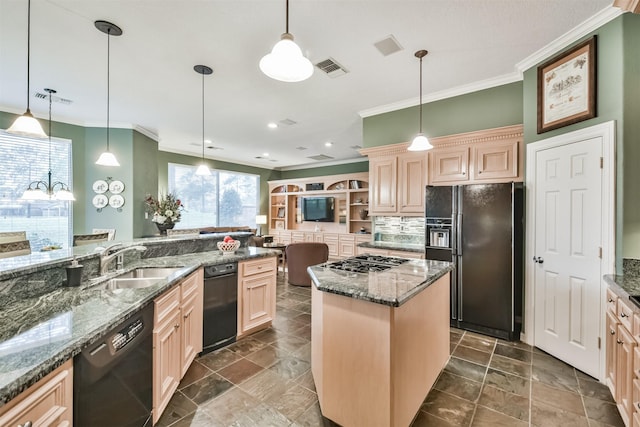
x: 397, y: 179
x: 492, y: 155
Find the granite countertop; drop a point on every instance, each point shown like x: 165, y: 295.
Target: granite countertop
x: 394, y: 246
x: 392, y: 287
x: 628, y: 283
x: 39, y: 334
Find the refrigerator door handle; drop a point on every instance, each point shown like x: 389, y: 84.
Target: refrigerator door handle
x: 459, y: 234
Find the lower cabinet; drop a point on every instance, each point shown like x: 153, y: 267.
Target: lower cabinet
x: 49, y: 402
x: 256, y: 294
x: 623, y: 356
x: 177, y: 337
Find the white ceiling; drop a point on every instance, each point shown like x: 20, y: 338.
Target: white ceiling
x: 154, y: 87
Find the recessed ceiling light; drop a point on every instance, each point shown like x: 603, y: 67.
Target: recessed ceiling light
x: 207, y: 141
x: 272, y: 125
x: 328, y: 144
x: 265, y: 154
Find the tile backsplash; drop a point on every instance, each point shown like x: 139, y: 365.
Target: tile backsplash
x: 398, y: 229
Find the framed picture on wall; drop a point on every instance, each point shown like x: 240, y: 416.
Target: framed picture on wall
x: 567, y: 87
x: 280, y: 212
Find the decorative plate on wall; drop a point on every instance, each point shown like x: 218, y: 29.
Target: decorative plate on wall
x: 116, y: 201
x: 100, y: 186
x: 116, y: 187
x: 100, y: 201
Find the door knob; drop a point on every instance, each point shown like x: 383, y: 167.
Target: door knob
x: 539, y: 259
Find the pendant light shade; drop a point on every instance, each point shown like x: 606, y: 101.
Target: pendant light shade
x: 107, y: 158
x: 420, y: 141
x: 41, y: 190
x: 26, y: 124
x: 286, y: 62
x: 203, y: 169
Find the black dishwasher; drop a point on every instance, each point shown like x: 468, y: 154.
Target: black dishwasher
x: 220, y: 320
x: 112, y: 378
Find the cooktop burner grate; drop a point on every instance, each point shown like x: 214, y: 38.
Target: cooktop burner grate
x: 367, y: 263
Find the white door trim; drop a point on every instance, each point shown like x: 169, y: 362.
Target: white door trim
x: 607, y: 132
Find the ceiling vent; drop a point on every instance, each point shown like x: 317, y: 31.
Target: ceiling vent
x: 320, y: 157
x: 355, y: 147
x: 301, y: 148
x: 332, y: 68
x: 287, y: 122
x: 213, y: 147
x: 388, y: 46
x: 54, y: 98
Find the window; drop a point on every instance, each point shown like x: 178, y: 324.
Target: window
x: 222, y: 199
x: 23, y: 160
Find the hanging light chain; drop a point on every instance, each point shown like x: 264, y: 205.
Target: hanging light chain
x: 202, y: 118
x: 287, y: 18
x: 108, y: 79
x: 28, y: 51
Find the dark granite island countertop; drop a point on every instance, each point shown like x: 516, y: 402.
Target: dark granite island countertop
x: 379, y: 340
x: 40, y: 333
x: 392, y: 287
x: 394, y: 246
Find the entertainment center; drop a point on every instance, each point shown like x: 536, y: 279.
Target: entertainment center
x: 334, y: 204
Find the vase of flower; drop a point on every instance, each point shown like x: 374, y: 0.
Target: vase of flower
x: 165, y: 211
x: 164, y: 227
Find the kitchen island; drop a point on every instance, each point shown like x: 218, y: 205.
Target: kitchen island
x: 379, y: 337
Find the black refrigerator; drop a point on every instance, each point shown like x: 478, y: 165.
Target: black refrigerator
x: 480, y: 228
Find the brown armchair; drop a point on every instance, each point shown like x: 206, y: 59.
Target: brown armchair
x: 301, y: 255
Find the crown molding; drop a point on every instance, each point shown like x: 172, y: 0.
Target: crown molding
x: 443, y: 94
x: 596, y: 21
x: 632, y: 6
x: 322, y: 164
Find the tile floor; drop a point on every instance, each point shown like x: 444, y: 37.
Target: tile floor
x: 265, y: 380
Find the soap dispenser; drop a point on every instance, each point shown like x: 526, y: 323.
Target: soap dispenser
x: 74, y: 273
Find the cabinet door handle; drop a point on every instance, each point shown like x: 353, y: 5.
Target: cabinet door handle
x: 619, y: 341
x: 610, y: 300
x: 27, y: 424
x: 176, y: 326
x: 612, y: 332
x: 622, y: 314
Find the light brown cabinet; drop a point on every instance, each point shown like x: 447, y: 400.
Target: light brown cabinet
x: 387, y: 252
x: 332, y: 241
x: 177, y: 337
x: 49, y: 402
x: 256, y: 294
x: 396, y: 181
x: 492, y: 155
x: 622, y: 364
x: 346, y: 245
x: 383, y: 180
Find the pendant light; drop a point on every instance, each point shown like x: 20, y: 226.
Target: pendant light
x: 285, y: 62
x: 26, y: 124
x: 107, y: 158
x: 40, y: 190
x: 420, y: 142
x: 203, y: 169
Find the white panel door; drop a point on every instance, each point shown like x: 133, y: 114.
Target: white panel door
x: 568, y: 215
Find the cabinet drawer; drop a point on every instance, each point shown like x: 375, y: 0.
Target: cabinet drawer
x: 612, y: 301
x: 407, y: 254
x: 625, y: 314
x: 265, y: 265
x: 46, y: 403
x: 166, y: 305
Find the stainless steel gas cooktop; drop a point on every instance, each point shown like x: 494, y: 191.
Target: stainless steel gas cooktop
x: 367, y: 263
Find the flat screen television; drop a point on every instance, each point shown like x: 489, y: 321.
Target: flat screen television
x: 321, y: 209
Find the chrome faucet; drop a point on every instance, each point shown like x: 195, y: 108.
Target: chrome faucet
x: 106, y: 257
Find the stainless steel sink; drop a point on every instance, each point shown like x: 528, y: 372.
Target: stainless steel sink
x: 148, y: 272
x: 129, y: 283
x: 138, y: 278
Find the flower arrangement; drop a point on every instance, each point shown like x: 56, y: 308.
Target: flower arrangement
x: 165, y: 209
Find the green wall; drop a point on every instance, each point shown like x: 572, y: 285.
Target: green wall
x: 326, y: 170
x: 490, y: 108
x: 631, y: 131
x: 164, y: 158
x: 145, y: 181
x: 617, y: 99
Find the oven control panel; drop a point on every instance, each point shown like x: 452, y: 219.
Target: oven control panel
x: 126, y: 334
